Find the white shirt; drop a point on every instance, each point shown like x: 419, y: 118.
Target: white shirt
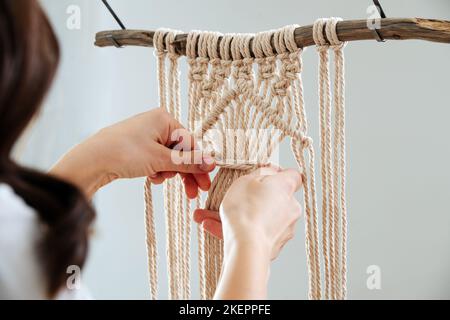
x: 21, y: 276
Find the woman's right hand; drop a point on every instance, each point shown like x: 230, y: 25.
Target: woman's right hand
x: 259, y: 207
x: 257, y: 218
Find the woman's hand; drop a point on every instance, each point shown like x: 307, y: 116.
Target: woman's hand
x: 141, y: 146
x: 257, y: 218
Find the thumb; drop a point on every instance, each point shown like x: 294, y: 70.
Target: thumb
x: 213, y: 227
x: 202, y: 214
x: 290, y: 180
x: 185, y: 161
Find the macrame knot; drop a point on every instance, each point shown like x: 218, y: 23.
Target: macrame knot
x: 302, y: 141
x: 330, y: 39
x: 220, y: 75
x: 283, y: 57
x: 338, y: 47
x: 208, y: 89
x: 322, y: 48
x: 290, y: 67
x: 267, y: 72
x: 267, y: 68
x: 294, y: 64
x: 169, y: 39
x: 331, y: 33
x: 260, y: 61
x: 219, y: 72
x: 281, y: 87
x: 226, y: 65
x: 215, y: 62
x: 203, y: 63
x: 160, y: 54
x: 295, y: 56
x: 290, y: 71
x: 158, y: 41
x: 222, y: 72
x: 199, y: 69
x: 192, y: 65
x: 173, y: 56
x: 306, y: 142
x: 243, y: 70
x: 197, y: 73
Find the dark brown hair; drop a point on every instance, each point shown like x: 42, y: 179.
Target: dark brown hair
x: 29, y: 55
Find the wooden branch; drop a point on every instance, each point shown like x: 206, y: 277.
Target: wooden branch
x: 351, y: 30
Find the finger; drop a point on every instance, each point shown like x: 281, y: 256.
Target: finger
x: 289, y: 180
x: 184, y: 161
x: 190, y: 186
x: 180, y: 138
x: 183, y: 175
x: 297, y: 209
x: 213, y: 227
x: 185, y: 154
x: 168, y: 174
x: 202, y: 214
x: 157, y: 178
x: 160, y: 177
x: 203, y: 181
x: 265, y: 171
x: 291, y: 230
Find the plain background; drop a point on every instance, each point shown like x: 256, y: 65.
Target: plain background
x: 398, y: 110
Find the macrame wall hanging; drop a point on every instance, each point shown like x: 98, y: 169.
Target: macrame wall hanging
x: 245, y: 97
x: 249, y: 94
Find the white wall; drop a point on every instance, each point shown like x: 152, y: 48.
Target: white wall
x: 398, y: 150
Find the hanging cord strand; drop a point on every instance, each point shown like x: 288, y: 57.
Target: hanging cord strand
x: 211, y: 87
x: 151, y: 241
x: 196, y: 75
x: 160, y: 36
x: 150, y: 232
x: 197, y: 72
x: 180, y: 198
x: 173, y: 183
x: 203, y: 100
x: 330, y: 25
x: 339, y: 152
x: 324, y: 98
x: 334, y: 221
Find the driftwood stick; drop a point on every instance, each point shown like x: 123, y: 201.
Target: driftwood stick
x: 350, y: 30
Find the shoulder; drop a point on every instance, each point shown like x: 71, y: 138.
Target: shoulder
x: 12, y: 207
x: 19, y: 225
x: 18, y: 221
x: 20, y: 232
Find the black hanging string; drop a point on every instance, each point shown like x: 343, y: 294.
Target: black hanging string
x: 105, y: 2
x: 380, y: 9
x: 376, y: 33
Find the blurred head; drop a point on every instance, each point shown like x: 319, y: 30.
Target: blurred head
x: 28, y: 62
x: 29, y: 55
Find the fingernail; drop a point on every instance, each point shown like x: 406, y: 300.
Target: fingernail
x: 207, y: 164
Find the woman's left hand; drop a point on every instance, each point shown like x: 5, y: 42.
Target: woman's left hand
x: 141, y: 146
